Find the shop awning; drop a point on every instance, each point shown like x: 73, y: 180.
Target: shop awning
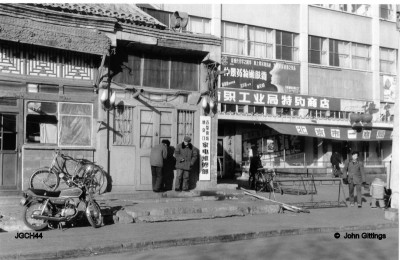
x: 332, y: 132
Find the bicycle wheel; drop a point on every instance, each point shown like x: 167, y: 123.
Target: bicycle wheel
x: 96, y: 178
x: 44, y: 179
x: 260, y: 182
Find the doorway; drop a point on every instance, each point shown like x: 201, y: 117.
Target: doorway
x: 155, y: 125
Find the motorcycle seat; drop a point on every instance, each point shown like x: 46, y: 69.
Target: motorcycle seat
x: 47, y: 193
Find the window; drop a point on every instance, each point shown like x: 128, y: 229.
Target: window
x: 75, y: 124
x: 286, y: 46
x: 387, y: 12
x: 387, y: 60
x: 123, y: 125
x: 199, y: 25
x: 41, y: 122
x: 8, y: 132
x: 317, y: 50
x: 339, y: 53
x: 233, y: 37
x: 185, y: 124
x: 159, y: 68
x: 362, y: 9
x: 260, y: 42
x: 360, y: 56
x: 43, y: 88
x: 65, y: 124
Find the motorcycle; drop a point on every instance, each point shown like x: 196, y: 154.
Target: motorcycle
x: 45, y: 208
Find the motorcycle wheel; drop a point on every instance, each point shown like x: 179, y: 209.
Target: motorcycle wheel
x: 93, y: 214
x: 34, y: 224
x: 44, y: 179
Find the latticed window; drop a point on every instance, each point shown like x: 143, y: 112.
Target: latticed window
x: 185, y: 124
x: 123, y: 125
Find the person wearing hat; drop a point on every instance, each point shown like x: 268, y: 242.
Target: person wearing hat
x: 356, y: 177
x: 186, y: 157
x: 157, y: 156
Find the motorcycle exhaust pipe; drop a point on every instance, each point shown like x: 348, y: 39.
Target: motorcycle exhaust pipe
x: 49, y: 218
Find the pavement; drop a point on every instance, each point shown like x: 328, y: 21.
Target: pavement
x: 145, y: 220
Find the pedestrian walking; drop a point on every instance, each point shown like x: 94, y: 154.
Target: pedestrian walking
x: 157, y: 155
x: 336, y: 161
x: 356, y: 177
x: 186, y: 157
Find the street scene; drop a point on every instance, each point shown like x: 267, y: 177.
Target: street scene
x: 199, y: 131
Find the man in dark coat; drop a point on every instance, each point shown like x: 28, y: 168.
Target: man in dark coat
x: 355, y: 175
x: 255, y: 164
x: 335, y: 161
x: 168, y: 167
x: 157, y: 155
x: 186, y: 157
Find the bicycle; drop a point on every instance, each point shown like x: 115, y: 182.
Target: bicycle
x: 265, y: 181
x: 48, y: 178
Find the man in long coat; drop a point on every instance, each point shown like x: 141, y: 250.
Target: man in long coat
x: 186, y: 157
x: 356, y: 176
x: 157, y: 155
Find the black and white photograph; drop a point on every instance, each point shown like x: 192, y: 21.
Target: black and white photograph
x: 199, y: 130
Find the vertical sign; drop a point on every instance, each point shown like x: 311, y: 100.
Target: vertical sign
x: 205, y: 158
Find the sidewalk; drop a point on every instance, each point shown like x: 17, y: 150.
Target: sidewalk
x: 87, y: 241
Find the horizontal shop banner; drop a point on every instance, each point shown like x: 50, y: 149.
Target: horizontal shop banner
x: 332, y: 132
x: 259, y: 98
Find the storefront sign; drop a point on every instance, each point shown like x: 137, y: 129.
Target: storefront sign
x: 258, y: 98
x: 205, y: 158
x: 258, y: 74
x: 331, y: 132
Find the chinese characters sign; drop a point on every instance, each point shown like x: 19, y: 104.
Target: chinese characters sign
x: 257, y: 74
x: 248, y: 97
x: 331, y: 132
x: 205, y: 158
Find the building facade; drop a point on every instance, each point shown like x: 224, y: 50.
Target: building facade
x: 296, y: 74
x: 60, y: 66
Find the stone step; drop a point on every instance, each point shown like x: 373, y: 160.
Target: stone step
x: 196, y: 210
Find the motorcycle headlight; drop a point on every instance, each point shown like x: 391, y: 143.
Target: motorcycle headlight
x: 22, y: 202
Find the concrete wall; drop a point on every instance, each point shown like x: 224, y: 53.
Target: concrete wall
x: 266, y: 15
x: 340, y: 83
x: 202, y: 10
x: 334, y: 24
x: 388, y: 38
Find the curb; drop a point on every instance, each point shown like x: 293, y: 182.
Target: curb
x: 124, y: 247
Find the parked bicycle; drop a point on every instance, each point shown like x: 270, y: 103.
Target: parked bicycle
x: 48, y: 178
x: 265, y: 181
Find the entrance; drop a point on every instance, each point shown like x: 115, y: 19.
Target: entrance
x: 154, y: 126
x: 9, y: 176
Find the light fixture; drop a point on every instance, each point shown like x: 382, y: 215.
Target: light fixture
x: 107, y: 104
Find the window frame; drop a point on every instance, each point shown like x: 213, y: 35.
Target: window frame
x: 58, y: 116
x: 237, y: 39
x: 294, y: 49
x: 393, y: 63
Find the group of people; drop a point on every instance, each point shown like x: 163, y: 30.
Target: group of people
x: 353, y: 170
x: 163, y: 161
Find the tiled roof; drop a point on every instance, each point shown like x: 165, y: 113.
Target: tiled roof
x: 125, y: 13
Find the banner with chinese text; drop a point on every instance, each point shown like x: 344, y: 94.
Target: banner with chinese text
x: 249, y: 97
x: 332, y: 132
x: 205, y: 158
x: 260, y: 74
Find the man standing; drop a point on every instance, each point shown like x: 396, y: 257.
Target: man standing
x: 186, y: 157
x: 157, y: 155
x: 355, y: 174
x: 335, y: 161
